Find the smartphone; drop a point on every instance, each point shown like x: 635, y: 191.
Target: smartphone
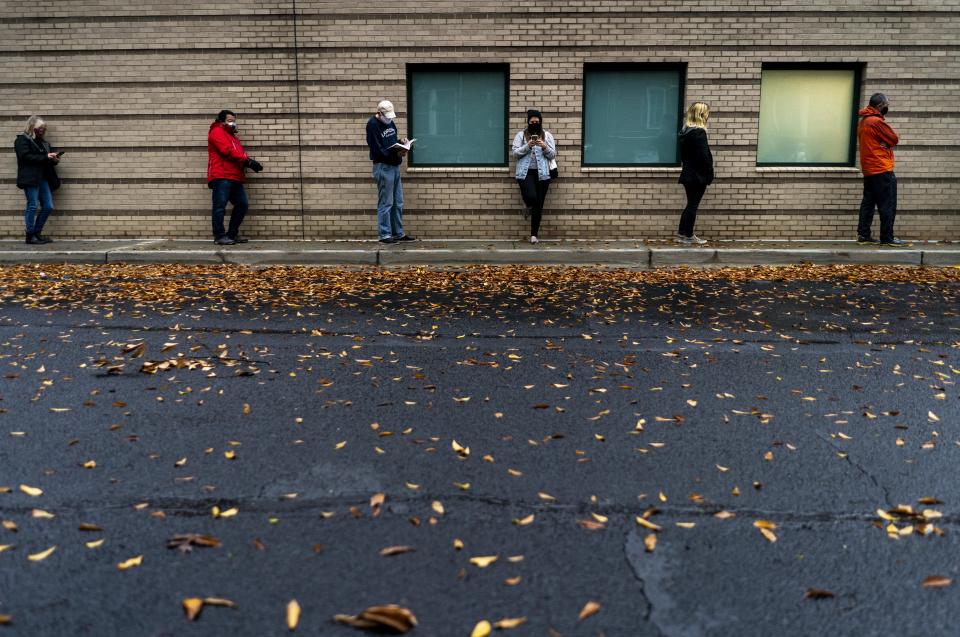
x: 61, y: 153
x: 535, y: 138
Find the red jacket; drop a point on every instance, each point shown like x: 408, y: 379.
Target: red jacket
x: 225, y: 154
x: 877, y: 140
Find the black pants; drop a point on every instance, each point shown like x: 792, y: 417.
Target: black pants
x: 879, y: 191
x: 689, y: 215
x: 534, y: 193
x: 227, y: 190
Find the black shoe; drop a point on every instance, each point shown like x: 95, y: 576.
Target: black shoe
x: 224, y: 241
x: 238, y: 239
x: 388, y: 240
x: 34, y: 240
x: 895, y: 243
x: 867, y: 241
x: 406, y: 237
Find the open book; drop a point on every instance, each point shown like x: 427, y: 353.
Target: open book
x: 403, y: 146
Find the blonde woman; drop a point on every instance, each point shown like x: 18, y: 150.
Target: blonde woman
x: 36, y: 176
x: 697, y: 171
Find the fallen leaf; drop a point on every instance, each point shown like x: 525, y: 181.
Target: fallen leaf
x: 95, y: 544
x: 589, y: 609
x: 42, y: 555
x: 396, y: 618
x: 293, y: 614
x: 396, y: 550
x: 31, y: 491
x: 509, y: 622
x: 524, y: 521
x: 650, y: 542
x: 483, y: 561
x: 817, y: 593
x: 192, y: 607
x: 482, y: 629
x: 937, y: 581
x: 133, y: 561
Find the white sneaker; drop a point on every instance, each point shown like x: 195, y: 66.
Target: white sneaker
x: 692, y: 240
x: 534, y: 240
x: 695, y: 240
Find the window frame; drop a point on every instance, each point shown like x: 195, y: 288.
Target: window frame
x: 679, y: 67
x: 413, y: 67
x: 858, y: 69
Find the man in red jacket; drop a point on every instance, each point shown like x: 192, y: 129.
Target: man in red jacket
x: 877, y: 140
x: 226, y: 161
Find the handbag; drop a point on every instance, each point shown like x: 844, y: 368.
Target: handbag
x: 554, y: 171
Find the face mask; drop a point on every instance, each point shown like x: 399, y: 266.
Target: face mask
x: 385, y: 119
x: 883, y: 111
x: 232, y: 125
x: 536, y: 129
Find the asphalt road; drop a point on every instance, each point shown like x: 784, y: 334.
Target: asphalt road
x: 807, y: 406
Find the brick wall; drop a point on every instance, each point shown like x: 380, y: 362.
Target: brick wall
x: 129, y: 89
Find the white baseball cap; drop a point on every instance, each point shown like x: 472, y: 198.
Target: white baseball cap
x: 386, y: 109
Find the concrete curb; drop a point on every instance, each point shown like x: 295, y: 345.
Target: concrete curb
x: 628, y: 254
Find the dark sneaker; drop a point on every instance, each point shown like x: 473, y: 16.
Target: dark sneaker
x: 224, y: 241
x: 406, y: 237
x: 44, y: 239
x: 896, y: 243
x: 34, y: 240
x: 388, y: 240
x: 867, y: 241
x: 239, y: 239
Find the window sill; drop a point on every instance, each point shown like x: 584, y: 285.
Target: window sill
x: 807, y: 169
x: 458, y: 169
x: 630, y: 169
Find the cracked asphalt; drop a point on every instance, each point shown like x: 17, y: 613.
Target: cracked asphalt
x: 703, y: 406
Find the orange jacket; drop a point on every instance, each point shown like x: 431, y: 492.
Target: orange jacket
x: 877, y: 140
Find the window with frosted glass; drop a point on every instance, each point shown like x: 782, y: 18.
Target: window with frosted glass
x: 807, y: 116
x: 458, y: 114
x: 631, y: 115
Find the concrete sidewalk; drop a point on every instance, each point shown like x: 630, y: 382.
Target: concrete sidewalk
x: 630, y: 254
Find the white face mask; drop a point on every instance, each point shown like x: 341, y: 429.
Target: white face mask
x: 232, y: 125
x: 385, y: 119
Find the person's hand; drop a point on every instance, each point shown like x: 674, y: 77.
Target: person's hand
x: 52, y: 156
x: 404, y: 140
x: 542, y: 144
x: 402, y: 152
x: 532, y: 143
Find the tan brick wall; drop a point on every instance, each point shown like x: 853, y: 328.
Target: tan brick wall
x: 129, y: 90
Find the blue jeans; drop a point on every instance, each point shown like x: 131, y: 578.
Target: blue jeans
x: 389, y: 200
x: 225, y: 190
x: 37, y: 195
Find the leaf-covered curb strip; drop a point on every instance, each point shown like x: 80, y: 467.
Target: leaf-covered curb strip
x: 48, y: 286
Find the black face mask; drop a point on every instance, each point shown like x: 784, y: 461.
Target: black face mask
x: 535, y: 129
x: 883, y: 111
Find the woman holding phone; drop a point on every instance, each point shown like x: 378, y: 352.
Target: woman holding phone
x: 534, y: 147
x: 36, y: 176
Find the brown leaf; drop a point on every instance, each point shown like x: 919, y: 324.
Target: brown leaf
x: 937, y: 581
x: 390, y: 616
x: 590, y: 608
x: 187, y: 541
x: 817, y: 593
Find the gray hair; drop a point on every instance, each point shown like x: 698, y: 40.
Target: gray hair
x: 33, y: 124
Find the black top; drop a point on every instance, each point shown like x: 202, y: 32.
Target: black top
x: 380, y: 137
x: 33, y: 165
x: 695, y: 157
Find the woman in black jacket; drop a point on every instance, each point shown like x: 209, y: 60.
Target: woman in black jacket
x: 36, y: 176
x: 697, y: 172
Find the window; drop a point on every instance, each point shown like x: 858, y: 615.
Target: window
x: 631, y: 114
x: 458, y: 114
x: 808, y: 115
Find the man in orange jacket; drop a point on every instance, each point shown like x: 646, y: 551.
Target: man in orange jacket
x: 877, y: 140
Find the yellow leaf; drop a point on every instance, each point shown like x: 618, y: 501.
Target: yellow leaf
x: 650, y: 542
x: 546, y: 496
x: 482, y: 629
x: 192, y: 607
x: 509, y: 622
x: 663, y: 498
x: 647, y: 524
x: 769, y: 535
x: 340, y: 445
x: 764, y: 524
x: 723, y: 469
x: 90, y: 464
x: 31, y: 491
x: 42, y: 555
x: 293, y: 614
x: 246, y: 409
x: 437, y: 506
x: 41, y: 514
x: 524, y: 521
x: 458, y: 544
x: 932, y: 416
x: 686, y: 525
x: 133, y: 561
x: 590, y: 608
x: 600, y: 518
x: 483, y: 561
x: 230, y: 455
x: 95, y: 544
x: 724, y: 515
x: 5, y: 547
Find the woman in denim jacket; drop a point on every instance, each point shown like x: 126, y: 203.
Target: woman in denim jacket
x: 534, y: 148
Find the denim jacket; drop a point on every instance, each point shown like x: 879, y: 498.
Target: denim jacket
x: 525, y: 155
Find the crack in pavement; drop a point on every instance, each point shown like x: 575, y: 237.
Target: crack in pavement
x: 845, y: 455
x: 648, y: 613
